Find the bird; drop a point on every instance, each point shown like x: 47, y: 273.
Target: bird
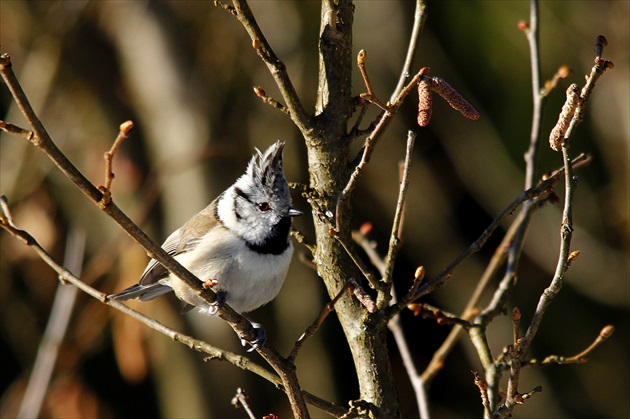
x: 238, y: 245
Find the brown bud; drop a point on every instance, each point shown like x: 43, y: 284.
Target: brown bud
x: 419, y: 275
x: 564, y: 71
x: 361, y: 57
x: 126, y: 127
x: 516, y: 314
x: 573, y: 255
x: 260, y: 92
x: 523, y: 26
x: 365, y: 228
x: 415, y: 308
x: 607, y: 331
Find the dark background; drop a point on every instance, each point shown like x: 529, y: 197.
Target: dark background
x: 183, y: 71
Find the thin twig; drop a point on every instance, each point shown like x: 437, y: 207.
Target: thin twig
x: 123, y: 134
x: 15, y: 130
x: 260, y: 92
x: 515, y: 247
x: 369, y: 145
x: 439, y: 356
x: 370, y: 96
x: 443, y: 276
x: 419, y: 17
x: 579, y: 358
x: 483, y: 390
x: 365, y: 270
x: 394, y: 239
x: 240, y: 400
x: 350, y: 286
x: 394, y: 326
x: 427, y: 311
x: 276, y: 67
x: 531, y: 155
x: 567, y: 221
x: 566, y: 234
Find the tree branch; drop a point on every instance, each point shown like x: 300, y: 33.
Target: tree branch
x: 215, y: 353
x: 239, y: 323
x: 276, y: 67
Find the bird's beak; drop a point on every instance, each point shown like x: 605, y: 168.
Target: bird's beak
x: 294, y: 213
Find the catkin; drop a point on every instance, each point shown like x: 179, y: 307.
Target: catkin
x: 556, y: 137
x: 424, y: 103
x: 453, y: 98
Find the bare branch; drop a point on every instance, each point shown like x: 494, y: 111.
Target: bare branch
x: 604, y: 334
x: 260, y: 92
x: 370, y: 96
x: 240, y: 400
x: 239, y: 323
x: 419, y: 17
x: 125, y: 129
x: 544, y: 187
x: 394, y: 239
x: 277, y: 69
x: 350, y: 286
x: 483, y: 390
x: 214, y: 353
x: 368, y: 147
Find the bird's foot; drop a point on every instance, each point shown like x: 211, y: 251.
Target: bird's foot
x: 260, y: 339
x: 218, y: 301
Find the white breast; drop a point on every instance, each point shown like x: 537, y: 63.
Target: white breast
x: 248, y: 278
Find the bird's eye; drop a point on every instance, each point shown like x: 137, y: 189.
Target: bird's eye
x: 264, y: 206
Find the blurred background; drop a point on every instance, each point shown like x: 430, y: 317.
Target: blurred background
x: 183, y: 71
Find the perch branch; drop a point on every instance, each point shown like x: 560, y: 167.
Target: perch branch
x: 65, y: 276
x: 240, y: 324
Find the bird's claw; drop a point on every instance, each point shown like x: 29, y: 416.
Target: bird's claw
x: 217, y: 303
x: 259, y: 341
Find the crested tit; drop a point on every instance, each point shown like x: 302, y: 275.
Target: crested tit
x: 240, y: 242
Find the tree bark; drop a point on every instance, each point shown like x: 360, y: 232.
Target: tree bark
x: 329, y: 169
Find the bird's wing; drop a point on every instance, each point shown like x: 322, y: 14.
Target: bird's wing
x: 182, y: 240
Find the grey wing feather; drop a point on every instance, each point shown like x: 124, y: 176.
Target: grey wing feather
x: 141, y: 292
x: 154, y: 270
x: 180, y: 241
